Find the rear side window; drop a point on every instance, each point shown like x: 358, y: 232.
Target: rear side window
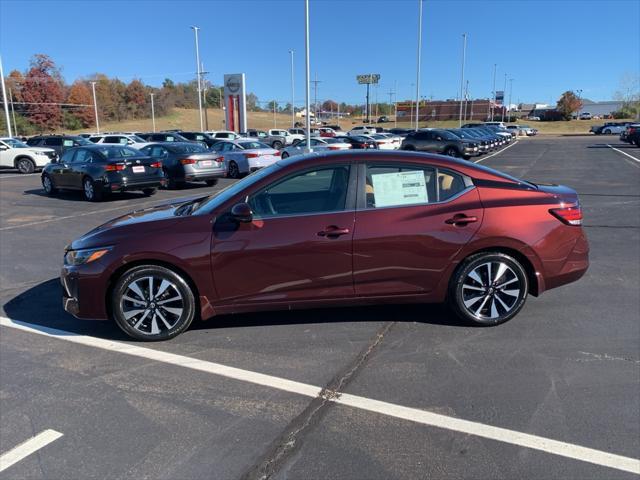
x: 55, y: 142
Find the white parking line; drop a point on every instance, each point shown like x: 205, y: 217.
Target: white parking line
x: 18, y: 175
x: 415, y: 415
x: 624, y: 153
x: 25, y: 449
x: 494, y: 154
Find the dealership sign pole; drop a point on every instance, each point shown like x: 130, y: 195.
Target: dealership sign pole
x: 4, y: 100
x: 368, y: 79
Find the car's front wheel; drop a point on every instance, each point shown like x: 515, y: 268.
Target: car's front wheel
x: 451, y: 152
x: 277, y: 145
x: 151, y: 303
x: 488, y: 288
x: 149, y: 191
x: 25, y: 165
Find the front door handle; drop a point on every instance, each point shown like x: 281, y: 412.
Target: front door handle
x: 460, y: 219
x: 333, y: 231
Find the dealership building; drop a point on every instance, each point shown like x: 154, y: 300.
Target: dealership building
x: 430, y: 110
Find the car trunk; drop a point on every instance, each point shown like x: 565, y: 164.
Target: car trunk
x: 562, y: 193
x: 205, y: 161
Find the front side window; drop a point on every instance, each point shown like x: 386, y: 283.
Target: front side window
x: 404, y: 185
x: 68, y: 155
x: 81, y: 156
x: 315, y: 191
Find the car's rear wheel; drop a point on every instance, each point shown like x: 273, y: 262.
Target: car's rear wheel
x: 152, y: 303
x: 25, y: 165
x: 92, y: 191
x: 47, y: 185
x: 488, y: 288
x: 607, y: 132
x: 277, y: 145
x: 234, y: 171
x: 451, y: 152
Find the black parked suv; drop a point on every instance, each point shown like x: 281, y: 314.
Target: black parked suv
x: 440, y: 141
x: 201, y: 137
x: 60, y: 143
x: 163, y: 137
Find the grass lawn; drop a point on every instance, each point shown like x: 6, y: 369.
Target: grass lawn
x: 187, y: 119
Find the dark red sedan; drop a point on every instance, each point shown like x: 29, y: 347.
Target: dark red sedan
x: 337, y: 229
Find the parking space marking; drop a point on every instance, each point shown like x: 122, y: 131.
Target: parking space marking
x: 18, y: 175
x: 624, y: 153
x: 25, y: 449
x: 494, y: 154
x: 535, y: 442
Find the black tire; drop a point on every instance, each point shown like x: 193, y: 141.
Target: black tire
x: 234, y: 171
x: 451, y: 152
x: 47, y: 185
x: 277, y: 145
x: 25, y: 165
x: 212, y: 183
x: 153, y: 321
x: 607, y: 132
x: 284, y: 155
x: 485, y: 300
x: 172, y: 183
x: 149, y: 191
x: 91, y: 190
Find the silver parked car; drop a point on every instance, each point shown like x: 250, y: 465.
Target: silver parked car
x: 246, y: 155
x: 317, y: 145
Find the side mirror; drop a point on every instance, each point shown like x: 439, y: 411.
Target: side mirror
x: 241, y: 212
x: 129, y: 142
x: 4, y: 147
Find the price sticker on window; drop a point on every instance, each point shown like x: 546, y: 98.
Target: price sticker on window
x: 399, y: 188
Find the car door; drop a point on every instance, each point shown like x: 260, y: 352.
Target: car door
x: 61, y: 170
x: 77, y: 168
x: 411, y: 219
x: 298, y: 246
x: 6, y: 156
x: 55, y: 143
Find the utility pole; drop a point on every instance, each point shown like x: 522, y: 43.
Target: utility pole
x: 395, y: 104
x: 579, y: 91
x: 493, y: 105
x: 293, y: 97
x: 153, y: 113
x: 204, y: 96
x: 419, y: 55
x: 4, y: 99
x: 315, y: 94
x: 466, y: 101
x: 503, y: 93
x: 275, y: 125
x: 95, y: 106
x: 510, y: 93
x: 390, y: 93
x: 464, y: 54
x: 195, y: 30
x: 307, y: 92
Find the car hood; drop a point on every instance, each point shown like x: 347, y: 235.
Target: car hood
x: 146, y: 222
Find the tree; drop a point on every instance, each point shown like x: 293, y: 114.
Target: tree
x: 568, y: 103
x: 272, y: 105
x: 329, y: 106
x: 135, y: 97
x: 252, y: 102
x: 43, y: 92
x: 628, y: 93
x: 79, y: 94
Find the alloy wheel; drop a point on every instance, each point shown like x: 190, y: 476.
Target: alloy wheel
x: 88, y: 189
x: 46, y: 184
x: 152, y: 305
x: 233, y: 170
x: 26, y: 166
x: 491, y: 291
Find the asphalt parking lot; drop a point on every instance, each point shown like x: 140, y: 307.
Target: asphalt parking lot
x: 346, y: 393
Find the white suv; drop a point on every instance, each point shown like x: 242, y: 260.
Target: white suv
x: 15, y: 154
x: 120, y: 139
x: 362, y: 130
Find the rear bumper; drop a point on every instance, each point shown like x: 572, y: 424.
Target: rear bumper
x: 202, y: 175
x: 574, y: 267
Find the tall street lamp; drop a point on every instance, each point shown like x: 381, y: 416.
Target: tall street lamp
x: 4, y: 100
x: 293, y: 110
x: 493, y: 106
x: 153, y: 113
x: 195, y: 30
x: 464, y: 54
x: 95, y: 106
x: 418, y: 66
x: 308, y: 92
x: 504, y: 90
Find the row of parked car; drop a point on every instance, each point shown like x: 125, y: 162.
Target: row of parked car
x: 609, y: 128
x: 631, y: 134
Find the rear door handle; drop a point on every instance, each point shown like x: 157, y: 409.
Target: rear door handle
x: 333, y: 231
x: 460, y: 219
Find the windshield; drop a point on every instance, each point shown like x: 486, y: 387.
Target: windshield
x: 137, y: 139
x: 119, y: 152
x: 82, y: 141
x: 253, y: 145
x: 191, y: 148
x: 210, y: 203
x: 13, y: 143
x: 448, y: 135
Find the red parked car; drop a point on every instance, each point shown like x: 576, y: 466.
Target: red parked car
x: 335, y: 229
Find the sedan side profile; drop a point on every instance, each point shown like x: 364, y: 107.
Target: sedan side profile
x: 98, y: 170
x: 332, y: 229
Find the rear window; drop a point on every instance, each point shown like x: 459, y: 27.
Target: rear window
x: 253, y: 145
x: 118, y: 152
x: 195, y: 148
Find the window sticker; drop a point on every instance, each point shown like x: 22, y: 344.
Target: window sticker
x: 399, y: 188
x: 68, y: 143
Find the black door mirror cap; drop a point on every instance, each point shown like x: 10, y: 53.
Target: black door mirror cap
x: 241, y: 212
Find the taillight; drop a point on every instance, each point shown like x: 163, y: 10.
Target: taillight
x: 251, y: 155
x: 156, y: 165
x: 115, y: 167
x: 334, y: 148
x: 568, y: 215
x: 277, y: 154
x: 187, y: 161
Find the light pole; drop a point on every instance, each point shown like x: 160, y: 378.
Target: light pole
x: 153, y: 113
x: 419, y: 55
x: 577, y: 115
x: 395, y: 104
x: 195, y: 30
x: 510, y: 93
x: 293, y: 110
x: 493, y: 106
x: 13, y: 113
x: 503, y: 93
x: 464, y: 54
x: 4, y: 99
x: 95, y: 106
x: 308, y: 93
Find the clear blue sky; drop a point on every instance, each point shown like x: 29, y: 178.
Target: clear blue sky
x: 547, y: 46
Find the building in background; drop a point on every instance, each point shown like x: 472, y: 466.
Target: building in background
x: 433, y: 110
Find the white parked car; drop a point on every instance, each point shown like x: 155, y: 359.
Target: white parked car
x: 386, y: 141
x: 496, y: 124
x: 223, y: 135
x: 15, y: 154
x: 120, y: 139
x: 317, y: 145
x: 247, y: 155
x: 288, y: 136
x: 362, y: 130
x: 585, y: 116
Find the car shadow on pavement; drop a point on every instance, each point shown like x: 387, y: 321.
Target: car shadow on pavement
x: 41, y: 305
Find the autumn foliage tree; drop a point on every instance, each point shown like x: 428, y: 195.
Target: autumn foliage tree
x: 80, y: 94
x: 568, y: 104
x: 42, y: 92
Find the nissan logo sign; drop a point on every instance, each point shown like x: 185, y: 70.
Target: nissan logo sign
x: 233, y: 84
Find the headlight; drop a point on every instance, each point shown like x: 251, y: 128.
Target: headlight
x: 87, y: 255
x: 42, y: 154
